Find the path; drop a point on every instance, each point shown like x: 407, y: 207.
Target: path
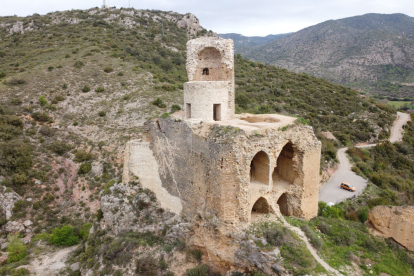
x: 331, y: 191
x: 311, y: 249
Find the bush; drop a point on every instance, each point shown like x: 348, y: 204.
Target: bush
x: 158, y: 102
x: 86, y: 89
x: 17, y: 250
x: 41, y: 117
x: 81, y: 156
x: 19, y: 179
x: 59, y: 147
x: 175, y: 108
x: 108, y: 69
x: 2, y: 75
x: 85, y: 168
x: 377, y: 201
x: 15, y: 156
x: 16, y: 101
x: 15, y: 82
x: 102, y: 113
x: 47, y: 131
x: 147, y: 266
x: 50, y: 68
x: 200, y: 270
x: 99, y: 89
x: 78, y: 64
x: 64, y: 236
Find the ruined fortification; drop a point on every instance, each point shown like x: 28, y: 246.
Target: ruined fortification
x: 221, y: 169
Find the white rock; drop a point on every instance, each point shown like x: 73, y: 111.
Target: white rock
x: 27, y: 223
x: 75, y: 266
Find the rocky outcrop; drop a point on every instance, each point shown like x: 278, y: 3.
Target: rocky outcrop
x: 191, y: 23
x: 395, y: 222
x: 127, y: 207
x: 7, y: 199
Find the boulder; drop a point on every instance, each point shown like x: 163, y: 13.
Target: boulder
x: 7, y: 200
x: 27, y: 223
x: 14, y: 226
x: 395, y: 222
x: 75, y: 266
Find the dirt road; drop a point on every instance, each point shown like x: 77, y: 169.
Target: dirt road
x: 331, y: 191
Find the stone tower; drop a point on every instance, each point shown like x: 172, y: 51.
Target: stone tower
x: 209, y: 94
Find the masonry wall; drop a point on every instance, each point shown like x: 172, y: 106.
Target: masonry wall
x: 203, y: 95
x: 208, y: 168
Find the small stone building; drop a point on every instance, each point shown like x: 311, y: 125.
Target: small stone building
x: 207, y: 161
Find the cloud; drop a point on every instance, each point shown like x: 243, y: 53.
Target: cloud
x: 253, y: 17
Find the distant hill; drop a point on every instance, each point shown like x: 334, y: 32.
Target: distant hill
x: 246, y: 42
x: 372, y: 52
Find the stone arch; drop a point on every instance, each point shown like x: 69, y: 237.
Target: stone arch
x: 284, y: 172
x: 210, y: 67
x: 260, y: 168
x: 283, y: 204
x: 261, y: 206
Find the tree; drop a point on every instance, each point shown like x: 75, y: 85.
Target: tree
x: 64, y: 236
x: 17, y: 250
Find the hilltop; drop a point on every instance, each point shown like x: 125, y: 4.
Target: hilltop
x: 372, y: 52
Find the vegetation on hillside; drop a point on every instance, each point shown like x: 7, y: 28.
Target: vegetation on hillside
x: 371, y: 52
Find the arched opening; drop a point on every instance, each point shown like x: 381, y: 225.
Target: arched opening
x: 210, y: 66
x: 259, y: 168
x: 283, y: 205
x: 284, y: 174
x: 260, y: 207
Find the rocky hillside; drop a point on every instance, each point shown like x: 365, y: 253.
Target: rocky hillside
x: 372, y: 52
x: 243, y: 43
x: 75, y: 87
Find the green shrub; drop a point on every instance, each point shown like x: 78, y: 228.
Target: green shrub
x: 64, y: 86
x: 17, y: 250
x: 120, y: 74
x: 2, y: 75
x: 147, y: 266
x: 175, y: 108
x: 16, y: 82
x: 47, y: 131
x: 86, y: 89
x: 16, y: 101
x: 41, y: 117
x: 78, y: 64
x: 15, y: 156
x: 82, y: 156
x: 377, y: 201
x: 64, y: 236
x: 99, y: 215
x: 84, y: 230
x: 200, y: 270
x: 85, y: 168
x: 100, y: 89
x: 50, y: 68
x: 19, y: 179
x: 108, y: 69
x: 165, y: 115
x: 19, y: 272
x: 158, y: 102
x: 102, y: 113
x: 59, y: 147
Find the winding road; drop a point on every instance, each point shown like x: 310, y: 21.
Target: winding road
x: 331, y: 191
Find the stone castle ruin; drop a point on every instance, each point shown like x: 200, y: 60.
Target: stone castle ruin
x: 219, y: 168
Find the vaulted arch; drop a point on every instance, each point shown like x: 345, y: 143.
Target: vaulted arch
x: 260, y: 168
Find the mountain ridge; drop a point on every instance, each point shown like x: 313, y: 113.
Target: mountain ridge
x: 373, y: 52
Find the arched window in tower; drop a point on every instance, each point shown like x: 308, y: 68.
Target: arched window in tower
x: 205, y: 72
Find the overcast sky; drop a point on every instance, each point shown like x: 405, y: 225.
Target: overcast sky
x: 248, y: 17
